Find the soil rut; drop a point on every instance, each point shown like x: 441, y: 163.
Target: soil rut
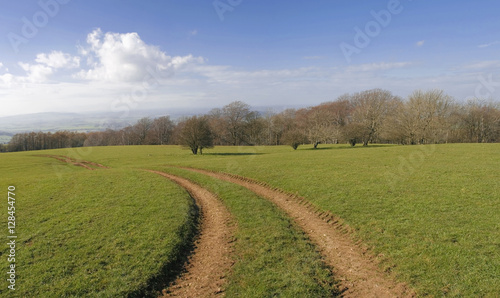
x: 357, y: 272
x: 89, y: 165
x: 210, y: 261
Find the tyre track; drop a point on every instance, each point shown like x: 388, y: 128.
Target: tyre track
x: 80, y: 163
x: 357, y: 272
x: 210, y: 261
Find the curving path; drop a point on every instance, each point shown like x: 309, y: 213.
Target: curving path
x: 358, y: 273
x: 210, y: 261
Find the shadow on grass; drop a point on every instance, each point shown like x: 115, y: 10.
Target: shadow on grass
x: 169, y: 271
x: 348, y: 147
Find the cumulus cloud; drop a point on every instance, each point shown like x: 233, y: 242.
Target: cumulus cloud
x: 45, y: 66
x: 125, y: 57
x: 36, y: 73
x: 57, y: 59
x: 420, y: 43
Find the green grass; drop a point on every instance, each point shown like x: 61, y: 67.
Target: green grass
x: 430, y: 213
x: 87, y: 233
x: 273, y: 257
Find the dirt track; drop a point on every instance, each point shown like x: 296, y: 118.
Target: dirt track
x: 358, y: 273
x: 89, y: 165
x: 210, y: 261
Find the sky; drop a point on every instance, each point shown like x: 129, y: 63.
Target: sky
x: 124, y: 55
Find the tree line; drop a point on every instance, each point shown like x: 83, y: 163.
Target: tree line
x: 372, y: 116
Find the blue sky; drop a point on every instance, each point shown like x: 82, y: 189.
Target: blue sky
x: 78, y: 56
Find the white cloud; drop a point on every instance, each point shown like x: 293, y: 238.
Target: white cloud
x: 6, y: 79
x: 36, y: 73
x: 483, y: 64
x: 57, y: 59
x: 488, y: 44
x: 53, y: 80
x: 193, y: 32
x: 47, y: 65
x: 3, y: 67
x: 314, y: 57
x: 126, y: 58
x: 211, y: 86
x: 377, y: 66
x: 420, y: 43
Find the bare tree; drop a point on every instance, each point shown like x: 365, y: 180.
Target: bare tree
x: 41, y: 140
x: 161, y: 131
x: 480, y: 121
x: 371, y: 108
x: 324, y: 123
x: 195, y: 133
x: 369, y: 116
x: 218, y: 126
x: 141, y: 130
x: 294, y: 138
x: 237, y: 117
x: 422, y: 118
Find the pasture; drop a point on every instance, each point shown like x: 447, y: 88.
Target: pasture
x: 428, y: 215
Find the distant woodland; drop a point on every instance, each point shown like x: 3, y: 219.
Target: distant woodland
x: 373, y: 116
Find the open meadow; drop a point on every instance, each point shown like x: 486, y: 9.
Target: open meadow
x: 93, y: 222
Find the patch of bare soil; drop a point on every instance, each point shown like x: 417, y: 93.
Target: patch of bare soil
x: 89, y: 165
x: 356, y: 270
x: 210, y: 261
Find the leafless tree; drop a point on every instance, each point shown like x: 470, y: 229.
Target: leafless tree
x: 195, y: 134
x: 370, y: 109
x: 294, y: 138
x: 237, y: 116
x: 161, y: 131
x: 480, y: 121
x: 324, y: 123
x: 426, y: 117
x: 141, y: 129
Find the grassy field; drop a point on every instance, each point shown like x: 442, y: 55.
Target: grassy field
x: 87, y: 233
x: 431, y: 214
x: 273, y: 257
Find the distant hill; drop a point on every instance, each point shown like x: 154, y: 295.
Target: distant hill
x: 49, y: 122
x: 88, y: 122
